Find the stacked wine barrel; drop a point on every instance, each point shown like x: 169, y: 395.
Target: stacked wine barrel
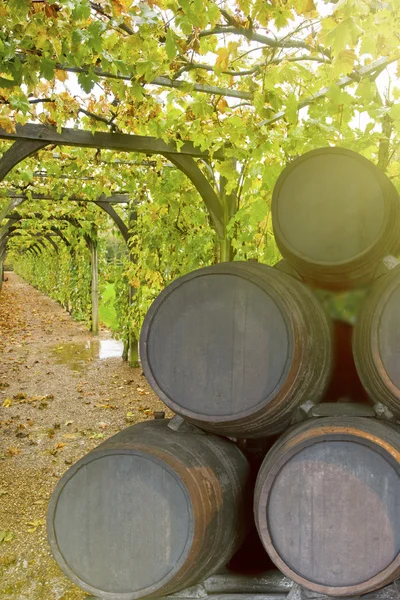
x: 250, y: 362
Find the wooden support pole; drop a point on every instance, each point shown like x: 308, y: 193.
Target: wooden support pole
x: 229, y: 205
x: 133, y: 342
x: 95, y: 289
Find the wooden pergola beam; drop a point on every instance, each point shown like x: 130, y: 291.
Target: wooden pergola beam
x: 124, y: 142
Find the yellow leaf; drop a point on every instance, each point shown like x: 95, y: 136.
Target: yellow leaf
x: 222, y: 60
x: 7, y: 124
x: 13, y: 451
x: 33, y: 525
x: 61, y: 75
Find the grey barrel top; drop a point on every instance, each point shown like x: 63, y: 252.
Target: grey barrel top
x: 236, y: 348
x: 149, y: 512
x: 376, y: 341
x: 335, y: 216
x: 327, y: 504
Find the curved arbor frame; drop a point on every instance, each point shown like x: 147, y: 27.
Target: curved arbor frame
x: 11, y: 228
x: 31, y: 138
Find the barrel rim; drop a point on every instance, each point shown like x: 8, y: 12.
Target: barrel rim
x: 390, y: 285
x: 52, y: 536
x: 281, y: 239
x: 236, y: 270
x: 285, y: 452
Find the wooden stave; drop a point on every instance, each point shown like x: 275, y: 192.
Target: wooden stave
x: 370, y: 368
x: 276, y: 416
x: 383, y: 435
x: 217, y: 534
x: 360, y: 269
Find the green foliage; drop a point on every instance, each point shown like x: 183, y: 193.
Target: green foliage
x: 170, y: 236
x: 64, y: 277
x: 107, y: 312
x: 262, y: 81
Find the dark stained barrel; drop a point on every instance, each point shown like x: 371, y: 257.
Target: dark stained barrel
x: 335, y: 216
x: 235, y: 348
x: 376, y: 341
x: 327, y: 504
x: 149, y: 512
x: 345, y: 384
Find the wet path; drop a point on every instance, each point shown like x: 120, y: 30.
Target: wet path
x: 62, y: 391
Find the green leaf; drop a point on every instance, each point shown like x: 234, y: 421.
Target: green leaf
x: 170, y: 45
x: 87, y: 81
x: 213, y: 13
x: 344, y: 34
x: 343, y: 63
x: 395, y: 112
x: 47, y: 67
x: 26, y: 175
x: 366, y: 90
x: 20, y: 103
x: 95, y: 39
x: 7, y: 83
x: 81, y: 11
x: 292, y: 106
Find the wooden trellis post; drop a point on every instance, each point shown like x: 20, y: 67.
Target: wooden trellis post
x: 133, y: 343
x: 92, y: 244
x: 95, y: 288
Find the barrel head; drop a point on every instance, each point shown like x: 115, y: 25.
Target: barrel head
x: 329, y: 510
x: 121, y: 524
x: 215, y: 346
x: 329, y: 206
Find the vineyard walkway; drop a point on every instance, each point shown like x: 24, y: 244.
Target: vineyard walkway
x: 58, y: 400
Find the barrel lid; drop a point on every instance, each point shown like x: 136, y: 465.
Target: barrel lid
x: 216, y: 344
x: 328, y: 505
x: 121, y: 524
x: 329, y: 206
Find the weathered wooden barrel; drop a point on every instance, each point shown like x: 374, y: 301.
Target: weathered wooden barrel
x: 327, y: 504
x: 376, y: 341
x: 149, y: 512
x: 235, y: 348
x: 335, y: 216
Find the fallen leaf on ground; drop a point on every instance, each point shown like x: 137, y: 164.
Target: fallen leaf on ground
x: 33, y: 525
x: 6, y: 536
x: 13, y: 451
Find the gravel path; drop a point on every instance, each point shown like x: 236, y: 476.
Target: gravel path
x: 58, y: 400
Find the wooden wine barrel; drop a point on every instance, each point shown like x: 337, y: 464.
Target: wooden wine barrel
x: 335, y: 216
x: 236, y: 348
x: 327, y: 504
x: 376, y: 341
x: 149, y: 512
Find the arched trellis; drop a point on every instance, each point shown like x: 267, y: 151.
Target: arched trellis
x: 12, y: 229
x: 103, y: 202
x: 38, y: 243
x: 31, y: 138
